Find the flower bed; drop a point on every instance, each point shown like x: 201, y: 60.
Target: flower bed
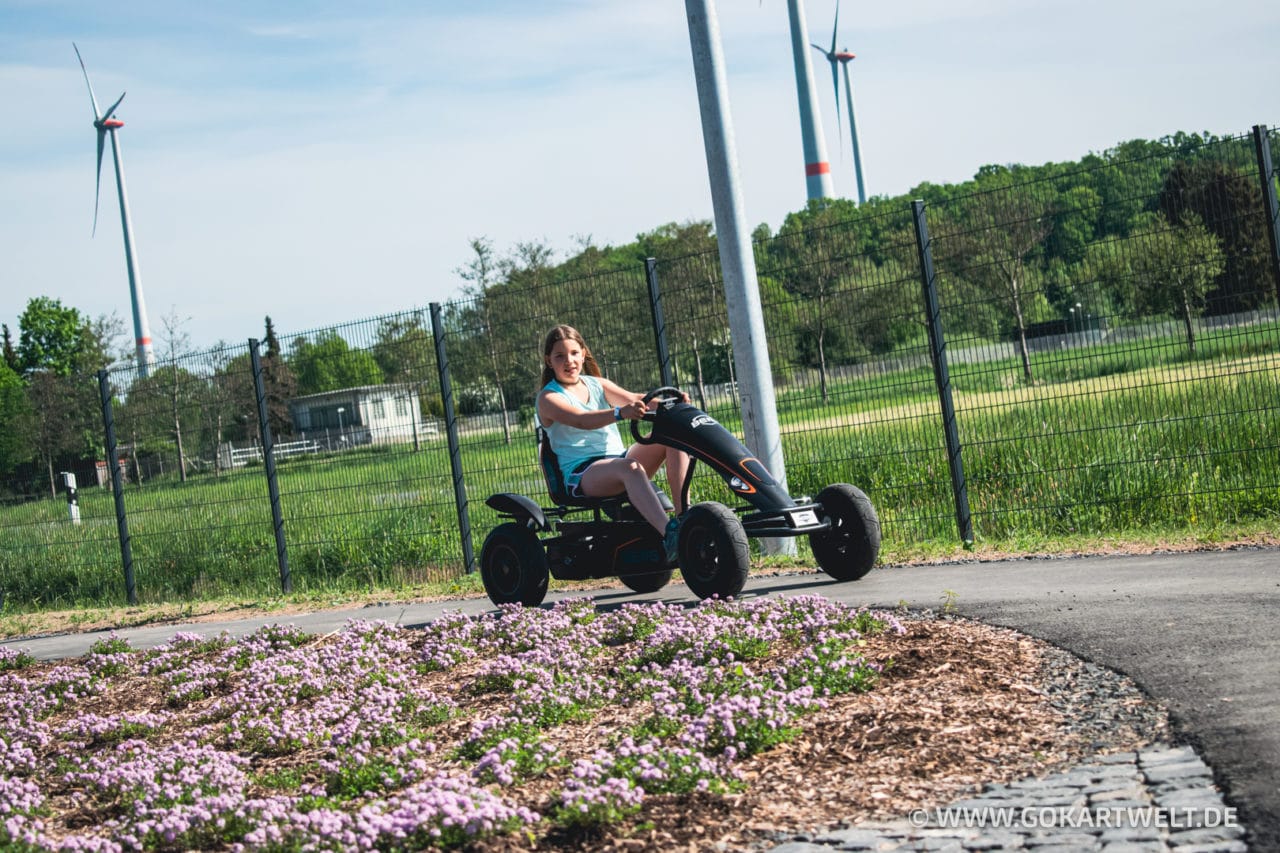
x: 525, y: 724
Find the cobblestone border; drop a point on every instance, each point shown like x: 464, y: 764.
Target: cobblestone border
x: 1159, y: 798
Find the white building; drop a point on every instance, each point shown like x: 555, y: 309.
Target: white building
x: 370, y: 414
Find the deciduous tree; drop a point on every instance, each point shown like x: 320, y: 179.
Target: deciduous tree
x: 329, y: 364
x: 1177, y: 270
x: 53, y: 337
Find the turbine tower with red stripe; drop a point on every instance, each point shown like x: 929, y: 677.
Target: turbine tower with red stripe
x: 107, y: 124
x: 817, y: 169
x: 844, y: 57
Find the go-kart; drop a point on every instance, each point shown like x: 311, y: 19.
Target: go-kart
x: 607, y: 537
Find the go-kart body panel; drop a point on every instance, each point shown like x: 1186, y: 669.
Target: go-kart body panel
x: 603, y: 549
x: 688, y: 428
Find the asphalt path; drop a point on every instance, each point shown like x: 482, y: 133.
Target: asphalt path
x: 1197, y: 631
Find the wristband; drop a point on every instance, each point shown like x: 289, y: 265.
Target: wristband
x: 617, y: 413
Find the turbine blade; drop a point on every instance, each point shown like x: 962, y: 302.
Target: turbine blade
x: 92, y: 98
x: 111, y: 109
x: 97, y: 186
x: 835, y: 27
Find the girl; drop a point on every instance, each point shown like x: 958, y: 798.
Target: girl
x: 580, y: 410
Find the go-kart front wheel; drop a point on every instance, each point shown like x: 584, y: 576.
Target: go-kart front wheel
x: 513, y: 566
x: 847, y: 550
x: 713, y: 551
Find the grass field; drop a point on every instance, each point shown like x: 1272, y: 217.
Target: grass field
x: 1110, y: 441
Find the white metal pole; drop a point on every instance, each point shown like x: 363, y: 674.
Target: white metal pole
x: 742, y: 293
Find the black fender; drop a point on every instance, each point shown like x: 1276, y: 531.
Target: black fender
x: 520, y: 508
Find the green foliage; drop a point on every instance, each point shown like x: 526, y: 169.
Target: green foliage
x: 405, y: 349
x: 357, y: 777
x: 474, y: 747
x: 330, y: 364
x: 284, y: 779
x: 54, y: 338
x: 108, y: 647
x: 1175, y: 278
x: 831, y: 668
x: 15, y: 661
x: 601, y: 809
x: 1222, y: 197
x: 14, y: 416
x: 515, y: 759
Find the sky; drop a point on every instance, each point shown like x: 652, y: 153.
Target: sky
x: 323, y: 162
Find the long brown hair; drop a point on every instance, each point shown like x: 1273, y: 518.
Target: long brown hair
x: 566, y: 333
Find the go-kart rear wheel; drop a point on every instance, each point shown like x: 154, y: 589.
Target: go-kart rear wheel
x: 848, y: 550
x: 513, y: 566
x: 651, y: 582
x: 713, y: 551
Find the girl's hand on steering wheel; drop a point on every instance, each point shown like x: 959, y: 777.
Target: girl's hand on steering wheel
x: 656, y: 401
x: 653, y: 402
x: 633, y: 411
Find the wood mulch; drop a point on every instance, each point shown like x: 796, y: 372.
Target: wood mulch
x: 961, y: 706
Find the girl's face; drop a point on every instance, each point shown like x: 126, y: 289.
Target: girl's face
x: 566, y: 361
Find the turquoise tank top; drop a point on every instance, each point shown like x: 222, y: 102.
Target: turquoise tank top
x: 574, y: 446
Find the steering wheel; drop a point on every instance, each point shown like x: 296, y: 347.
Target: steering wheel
x: 666, y: 392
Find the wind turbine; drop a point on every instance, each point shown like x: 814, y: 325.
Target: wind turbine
x: 817, y: 169
x: 843, y: 57
x: 107, y: 124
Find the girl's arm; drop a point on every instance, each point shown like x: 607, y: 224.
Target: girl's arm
x: 616, y: 394
x: 554, y: 408
x: 630, y: 405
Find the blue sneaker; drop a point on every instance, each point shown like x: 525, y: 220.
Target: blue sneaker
x: 671, y: 540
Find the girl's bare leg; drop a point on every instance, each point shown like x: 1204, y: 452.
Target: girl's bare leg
x: 609, y: 476
x: 652, y: 456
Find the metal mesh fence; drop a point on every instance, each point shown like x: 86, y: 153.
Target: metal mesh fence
x: 857, y: 402
x: 1113, y: 376
x: 1103, y: 357
x: 45, y: 555
x: 365, y: 489
x: 198, y: 521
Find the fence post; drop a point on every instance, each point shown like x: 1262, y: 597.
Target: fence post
x: 1262, y: 143
x: 451, y: 429
x: 117, y: 486
x: 938, y: 350
x: 269, y: 465
x: 659, y: 322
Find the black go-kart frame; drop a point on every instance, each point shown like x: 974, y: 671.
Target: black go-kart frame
x: 583, y: 538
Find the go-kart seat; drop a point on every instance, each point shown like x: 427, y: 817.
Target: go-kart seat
x: 560, y: 496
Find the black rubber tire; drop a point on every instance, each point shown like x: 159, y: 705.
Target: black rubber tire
x: 513, y: 566
x: 849, y: 549
x: 713, y: 553
x: 651, y: 582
